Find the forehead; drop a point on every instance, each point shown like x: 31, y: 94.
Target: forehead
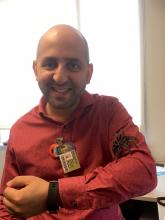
x: 59, y: 44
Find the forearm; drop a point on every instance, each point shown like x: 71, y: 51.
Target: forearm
x: 131, y: 176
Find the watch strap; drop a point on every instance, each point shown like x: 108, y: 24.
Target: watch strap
x: 53, y: 194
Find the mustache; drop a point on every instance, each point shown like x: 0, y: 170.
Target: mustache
x: 66, y: 85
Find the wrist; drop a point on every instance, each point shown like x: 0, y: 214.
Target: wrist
x: 53, y: 198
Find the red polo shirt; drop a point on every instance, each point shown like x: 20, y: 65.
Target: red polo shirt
x: 115, y: 161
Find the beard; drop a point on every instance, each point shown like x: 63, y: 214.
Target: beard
x: 63, y: 96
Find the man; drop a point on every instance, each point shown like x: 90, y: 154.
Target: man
x: 75, y: 155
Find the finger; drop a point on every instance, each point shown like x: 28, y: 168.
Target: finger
x: 16, y: 214
x: 12, y: 195
x: 20, y: 181
x: 13, y: 209
x: 13, y: 213
x: 8, y: 204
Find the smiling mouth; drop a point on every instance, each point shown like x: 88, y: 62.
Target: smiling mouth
x: 61, y: 90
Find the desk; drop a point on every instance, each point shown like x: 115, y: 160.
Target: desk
x: 152, y: 196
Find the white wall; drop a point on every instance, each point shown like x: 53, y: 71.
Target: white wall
x: 154, y: 75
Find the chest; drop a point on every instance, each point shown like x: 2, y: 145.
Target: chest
x: 90, y: 138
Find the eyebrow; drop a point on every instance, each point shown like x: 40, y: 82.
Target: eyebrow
x: 64, y: 58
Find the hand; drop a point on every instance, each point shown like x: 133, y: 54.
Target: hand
x: 26, y: 196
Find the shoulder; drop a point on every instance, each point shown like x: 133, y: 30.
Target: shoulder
x: 105, y: 101
x: 27, y: 118
x: 109, y: 106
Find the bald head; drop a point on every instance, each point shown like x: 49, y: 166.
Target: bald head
x: 64, y: 33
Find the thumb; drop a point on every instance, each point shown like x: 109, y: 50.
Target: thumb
x: 19, y: 181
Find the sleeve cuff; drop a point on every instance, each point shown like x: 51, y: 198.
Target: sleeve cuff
x: 72, y: 191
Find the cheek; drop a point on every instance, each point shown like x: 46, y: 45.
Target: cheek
x: 79, y: 80
x: 43, y: 82
x: 43, y: 76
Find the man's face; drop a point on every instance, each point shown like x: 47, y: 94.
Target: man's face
x: 62, y: 71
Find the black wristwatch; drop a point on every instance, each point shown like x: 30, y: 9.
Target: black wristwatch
x: 53, y: 195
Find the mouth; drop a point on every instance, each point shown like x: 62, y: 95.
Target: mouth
x: 61, y: 90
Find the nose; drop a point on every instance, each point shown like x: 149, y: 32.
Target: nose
x: 60, y: 75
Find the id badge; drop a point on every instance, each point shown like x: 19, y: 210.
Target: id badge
x: 66, y: 153
x: 69, y: 161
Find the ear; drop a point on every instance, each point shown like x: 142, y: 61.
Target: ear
x: 90, y: 72
x: 35, y: 68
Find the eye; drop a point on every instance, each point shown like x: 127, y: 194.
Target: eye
x: 73, y: 66
x: 49, y: 64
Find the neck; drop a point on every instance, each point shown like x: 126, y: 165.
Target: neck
x: 60, y: 115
